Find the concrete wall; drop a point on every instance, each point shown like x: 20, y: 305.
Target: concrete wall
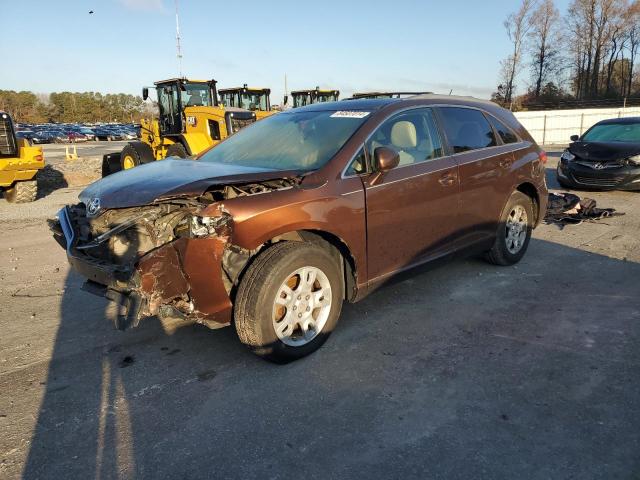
x: 556, y: 126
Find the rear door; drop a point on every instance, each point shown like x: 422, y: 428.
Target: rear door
x: 484, y: 166
x: 412, y: 211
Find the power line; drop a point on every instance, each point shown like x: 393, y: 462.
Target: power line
x: 178, y: 49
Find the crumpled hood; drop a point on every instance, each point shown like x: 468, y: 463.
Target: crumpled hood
x: 169, y: 178
x: 604, y: 152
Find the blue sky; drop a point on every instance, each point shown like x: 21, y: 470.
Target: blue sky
x: 349, y: 45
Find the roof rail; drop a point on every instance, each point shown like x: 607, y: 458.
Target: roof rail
x: 392, y: 94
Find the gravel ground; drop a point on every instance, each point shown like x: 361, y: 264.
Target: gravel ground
x: 465, y: 371
x: 54, y: 153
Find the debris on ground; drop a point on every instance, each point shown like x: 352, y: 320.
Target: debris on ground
x: 567, y: 208
x: 70, y: 174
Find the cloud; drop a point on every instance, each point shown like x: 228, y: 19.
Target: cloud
x: 145, y: 5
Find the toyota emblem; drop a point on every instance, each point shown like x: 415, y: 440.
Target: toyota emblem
x: 93, y: 207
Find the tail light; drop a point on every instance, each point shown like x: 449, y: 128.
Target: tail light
x: 38, y: 158
x: 543, y: 157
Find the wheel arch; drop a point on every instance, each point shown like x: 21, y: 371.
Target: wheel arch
x: 332, y: 243
x: 530, y: 190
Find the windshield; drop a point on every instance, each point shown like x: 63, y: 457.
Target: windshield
x: 253, y: 101
x: 613, y: 132
x: 196, y: 95
x: 229, y: 99
x: 302, y: 99
x: 247, y: 100
x: 326, y: 97
x: 288, y: 141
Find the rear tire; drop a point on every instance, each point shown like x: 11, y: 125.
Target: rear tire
x: 514, y: 231
x: 273, y: 295
x: 22, y: 192
x: 134, y: 154
x: 177, y: 150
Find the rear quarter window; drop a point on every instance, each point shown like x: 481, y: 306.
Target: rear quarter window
x: 467, y: 129
x: 505, y: 133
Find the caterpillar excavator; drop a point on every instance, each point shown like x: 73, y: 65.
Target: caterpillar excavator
x: 190, y: 120
x: 307, y: 97
x: 249, y: 98
x: 19, y: 164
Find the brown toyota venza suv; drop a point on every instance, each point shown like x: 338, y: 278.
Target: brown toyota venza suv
x: 275, y: 227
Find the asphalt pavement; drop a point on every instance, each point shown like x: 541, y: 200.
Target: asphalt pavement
x: 465, y: 371
x: 55, y: 152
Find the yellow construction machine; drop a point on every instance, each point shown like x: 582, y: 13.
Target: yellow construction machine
x: 249, y: 98
x: 19, y: 164
x: 307, y: 97
x: 190, y: 119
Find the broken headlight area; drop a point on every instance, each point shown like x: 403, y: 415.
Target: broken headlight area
x: 163, y: 257
x: 199, y: 227
x: 567, y: 156
x: 122, y: 236
x: 148, y: 258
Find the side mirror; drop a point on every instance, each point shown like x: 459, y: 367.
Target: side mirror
x: 145, y: 93
x: 286, y: 99
x: 575, y: 138
x: 385, y: 159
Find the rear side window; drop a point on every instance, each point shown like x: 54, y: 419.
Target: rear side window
x: 506, y: 134
x: 467, y: 129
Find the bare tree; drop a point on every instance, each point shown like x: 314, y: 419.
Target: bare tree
x: 633, y: 42
x: 593, y: 23
x: 518, y: 26
x: 616, y: 39
x: 544, y: 43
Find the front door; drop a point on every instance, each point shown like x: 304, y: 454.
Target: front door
x: 412, y: 211
x: 170, y: 114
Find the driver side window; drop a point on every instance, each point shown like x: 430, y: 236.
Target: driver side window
x: 412, y: 134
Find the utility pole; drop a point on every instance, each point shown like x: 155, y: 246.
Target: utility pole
x: 178, y: 49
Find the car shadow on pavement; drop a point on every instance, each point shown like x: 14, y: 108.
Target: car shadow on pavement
x: 525, y: 371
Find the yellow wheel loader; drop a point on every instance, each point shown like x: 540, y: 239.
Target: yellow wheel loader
x: 190, y: 120
x: 19, y: 164
x: 249, y: 98
x: 307, y: 97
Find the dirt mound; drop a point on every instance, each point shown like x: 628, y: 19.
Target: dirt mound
x: 71, y: 173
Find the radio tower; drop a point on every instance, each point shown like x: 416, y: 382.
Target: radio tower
x: 178, y: 49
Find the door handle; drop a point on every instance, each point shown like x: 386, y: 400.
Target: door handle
x: 506, y: 163
x: 447, y: 179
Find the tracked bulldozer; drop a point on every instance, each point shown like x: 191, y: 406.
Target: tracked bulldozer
x: 190, y: 120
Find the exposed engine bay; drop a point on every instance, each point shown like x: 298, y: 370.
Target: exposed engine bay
x: 142, y: 254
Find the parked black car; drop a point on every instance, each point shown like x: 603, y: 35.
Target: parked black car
x: 606, y: 157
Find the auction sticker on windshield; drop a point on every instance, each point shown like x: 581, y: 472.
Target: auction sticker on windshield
x: 348, y: 114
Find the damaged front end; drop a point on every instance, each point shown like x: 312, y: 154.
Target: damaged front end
x: 166, y: 259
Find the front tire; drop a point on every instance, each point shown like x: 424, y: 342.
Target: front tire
x: 289, y: 301
x: 134, y: 154
x: 177, y: 150
x: 514, y: 231
x: 22, y: 192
